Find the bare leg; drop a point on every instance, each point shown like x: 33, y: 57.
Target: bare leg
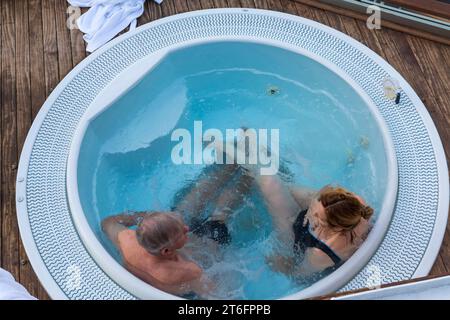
x: 281, y: 205
x: 205, y: 190
x: 232, y: 197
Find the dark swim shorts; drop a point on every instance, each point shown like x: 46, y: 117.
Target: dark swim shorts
x: 213, y: 229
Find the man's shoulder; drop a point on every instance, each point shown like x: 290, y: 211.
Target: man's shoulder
x: 127, y: 234
x: 127, y: 240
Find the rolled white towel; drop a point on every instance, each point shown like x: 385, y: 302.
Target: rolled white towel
x: 106, y: 18
x: 12, y: 290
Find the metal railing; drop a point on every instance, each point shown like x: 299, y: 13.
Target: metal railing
x: 402, y: 14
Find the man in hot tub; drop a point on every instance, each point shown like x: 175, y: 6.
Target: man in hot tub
x: 158, y: 250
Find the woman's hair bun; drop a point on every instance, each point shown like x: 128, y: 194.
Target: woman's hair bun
x: 366, y: 212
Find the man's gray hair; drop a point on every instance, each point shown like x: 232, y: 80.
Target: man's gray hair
x: 158, y: 230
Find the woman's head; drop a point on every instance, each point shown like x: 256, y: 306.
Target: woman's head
x: 162, y: 233
x: 339, y: 209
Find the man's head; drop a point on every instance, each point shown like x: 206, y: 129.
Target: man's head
x: 162, y: 233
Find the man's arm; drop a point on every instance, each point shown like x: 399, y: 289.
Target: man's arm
x: 113, y: 225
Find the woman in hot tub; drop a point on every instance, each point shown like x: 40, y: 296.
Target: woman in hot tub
x: 315, y: 231
x: 324, y: 228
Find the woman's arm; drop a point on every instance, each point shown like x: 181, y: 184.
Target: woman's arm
x: 303, y: 196
x: 314, y: 261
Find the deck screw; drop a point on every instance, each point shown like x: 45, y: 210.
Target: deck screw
x: 23, y: 262
x: 20, y: 199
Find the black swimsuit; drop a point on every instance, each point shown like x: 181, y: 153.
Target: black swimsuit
x: 304, y: 239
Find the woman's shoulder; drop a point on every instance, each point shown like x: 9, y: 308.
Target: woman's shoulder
x: 346, y: 244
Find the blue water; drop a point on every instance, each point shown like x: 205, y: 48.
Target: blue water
x: 327, y: 135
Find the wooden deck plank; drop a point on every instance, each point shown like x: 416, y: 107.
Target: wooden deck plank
x: 288, y: 6
x: 335, y: 21
x: 77, y: 43
x: 351, y: 27
x: 275, y: 5
x: 154, y: 10
x: 437, y: 8
x: 24, y: 117
x: 439, y: 267
x: 206, y: 4
x: 234, y: 3
x: 304, y: 10
x: 181, y: 6
x: 65, y: 63
x: 37, y: 72
x: 247, y: 3
x: 9, y: 228
x: 51, y: 67
x: 30, y: 70
x: 436, y: 72
x: 370, y: 38
x: 167, y: 8
x: 220, y: 3
x: 194, y: 5
x: 261, y: 4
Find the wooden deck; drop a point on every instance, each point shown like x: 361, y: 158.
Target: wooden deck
x: 38, y: 50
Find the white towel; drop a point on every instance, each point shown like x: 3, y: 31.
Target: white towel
x: 106, y: 18
x: 12, y: 290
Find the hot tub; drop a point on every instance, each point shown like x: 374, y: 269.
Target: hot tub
x: 108, y: 119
